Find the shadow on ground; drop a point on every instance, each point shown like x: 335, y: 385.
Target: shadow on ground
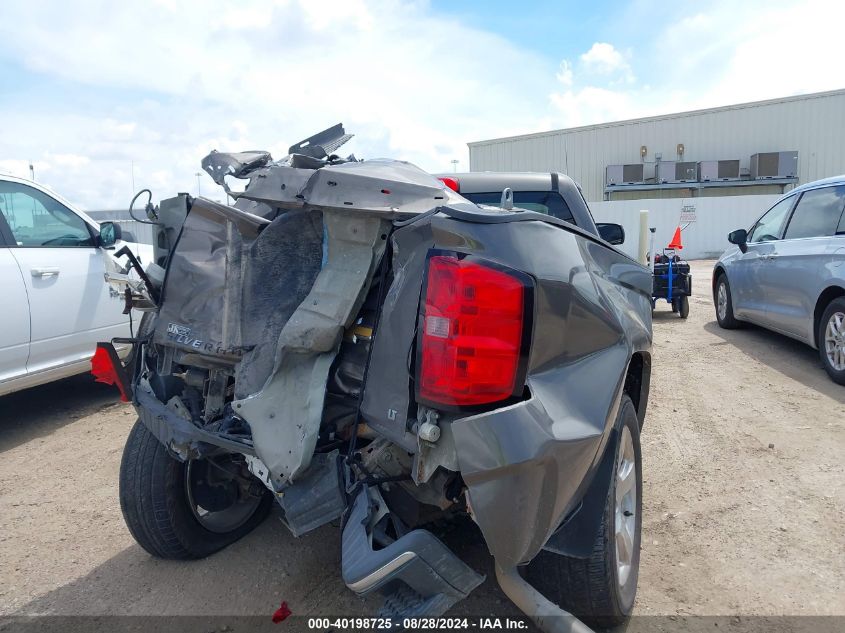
x: 791, y: 358
x: 250, y: 578
x: 32, y: 413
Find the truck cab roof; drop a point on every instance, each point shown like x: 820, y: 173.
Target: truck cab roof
x: 551, y: 193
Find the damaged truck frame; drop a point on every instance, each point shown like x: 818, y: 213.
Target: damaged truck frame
x: 354, y: 340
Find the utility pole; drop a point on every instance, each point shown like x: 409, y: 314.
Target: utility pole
x: 199, y: 190
x: 31, y: 171
x: 455, y: 162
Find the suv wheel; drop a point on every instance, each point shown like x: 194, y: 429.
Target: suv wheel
x: 185, y: 510
x: 601, y: 589
x: 831, y: 339
x: 724, y: 304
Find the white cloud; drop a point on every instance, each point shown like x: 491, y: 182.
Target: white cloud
x: 564, y: 73
x: 160, y: 83
x: 727, y: 53
x: 72, y: 161
x: 259, y: 75
x: 592, y: 104
x: 604, y: 59
x: 745, y: 52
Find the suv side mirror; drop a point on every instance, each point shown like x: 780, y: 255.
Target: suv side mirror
x: 740, y: 238
x: 109, y: 234
x: 611, y: 233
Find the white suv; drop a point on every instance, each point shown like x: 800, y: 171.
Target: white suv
x: 56, y: 303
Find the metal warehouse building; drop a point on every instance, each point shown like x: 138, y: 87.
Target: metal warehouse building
x: 748, y: 148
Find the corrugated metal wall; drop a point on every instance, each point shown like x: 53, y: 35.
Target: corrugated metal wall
x: 705, y: 238
x: 136, y: 231
x: 140, y: 232
x: 814, y: 125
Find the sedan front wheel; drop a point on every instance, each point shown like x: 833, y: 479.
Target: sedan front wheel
x: 831, y: 339
x: 724, y: 304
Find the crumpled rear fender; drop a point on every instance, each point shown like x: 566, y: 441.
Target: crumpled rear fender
x: 527, y: 465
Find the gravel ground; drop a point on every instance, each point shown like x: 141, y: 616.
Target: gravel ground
x: 744, y: 446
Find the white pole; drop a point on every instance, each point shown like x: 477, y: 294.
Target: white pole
x: 643, y: 237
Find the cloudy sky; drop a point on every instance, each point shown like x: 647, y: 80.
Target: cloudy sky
x: 91, y: 88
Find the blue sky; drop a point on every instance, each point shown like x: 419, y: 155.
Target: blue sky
x: 92, y: 88
x: 554, y: 29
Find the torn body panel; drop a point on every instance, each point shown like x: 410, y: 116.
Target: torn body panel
x: 285, y: 414
x: 591, y: 313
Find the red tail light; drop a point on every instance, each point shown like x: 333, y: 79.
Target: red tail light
x: 475, y: 326
x: 452, y: 183
x: 107, y: 368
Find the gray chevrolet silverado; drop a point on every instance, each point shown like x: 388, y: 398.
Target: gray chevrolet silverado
x: 361, y: 341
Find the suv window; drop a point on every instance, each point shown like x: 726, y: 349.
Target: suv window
x: 769, y: 227
x: 547, y: 202
x: 817, y: 213
x: 37, y: 219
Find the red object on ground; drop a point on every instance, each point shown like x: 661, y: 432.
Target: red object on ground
x: 106, y: 368
x: 676, y: 240
x: 281, y: 614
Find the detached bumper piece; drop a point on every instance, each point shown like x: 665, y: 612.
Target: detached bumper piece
x: 418, y: 575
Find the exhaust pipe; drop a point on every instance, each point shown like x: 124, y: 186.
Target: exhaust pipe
x: 548, y: 617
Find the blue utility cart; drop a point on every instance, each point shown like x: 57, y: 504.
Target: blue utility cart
x: 672, y: 282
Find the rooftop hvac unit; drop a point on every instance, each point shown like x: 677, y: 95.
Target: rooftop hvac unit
x: 672, y: 171
x: 686, y: 172
x: 624, y: 174
x: 632, y: 174
x: 774, y: 165
x: 613, y: 175
x: 715, y: 170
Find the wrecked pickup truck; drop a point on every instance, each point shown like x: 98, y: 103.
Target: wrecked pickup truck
x: 356, y: 342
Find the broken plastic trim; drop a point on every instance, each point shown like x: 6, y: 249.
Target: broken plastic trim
x: 181, y: 436
x: 424, y: 576
x: 133, y: 261
x: 218, y: 165
x: 323, y: 143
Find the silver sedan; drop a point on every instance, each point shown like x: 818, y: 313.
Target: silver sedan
x: 787, y: 272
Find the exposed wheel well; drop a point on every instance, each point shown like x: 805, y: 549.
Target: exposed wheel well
x: 825, y: 298
x: 637, y: 382
x: 716, y: 272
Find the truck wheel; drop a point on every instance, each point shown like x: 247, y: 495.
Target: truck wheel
x: 831, y: 339
x: 601, y: 589
x: 724, y: 304
x: 683, y: 307
x: 184, y: 510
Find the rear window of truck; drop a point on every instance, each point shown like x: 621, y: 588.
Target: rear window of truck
x: 547, y: 202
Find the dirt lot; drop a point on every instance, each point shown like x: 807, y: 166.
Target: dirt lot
x: 744, y: 447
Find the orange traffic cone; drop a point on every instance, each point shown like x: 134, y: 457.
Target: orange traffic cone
x: 676, y: 240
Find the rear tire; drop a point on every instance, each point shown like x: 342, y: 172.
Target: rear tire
x: 831, y: 340
x: 724, y: 304
x: 683, y: 307
x: 154, y: 499
x: 601, y: 589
